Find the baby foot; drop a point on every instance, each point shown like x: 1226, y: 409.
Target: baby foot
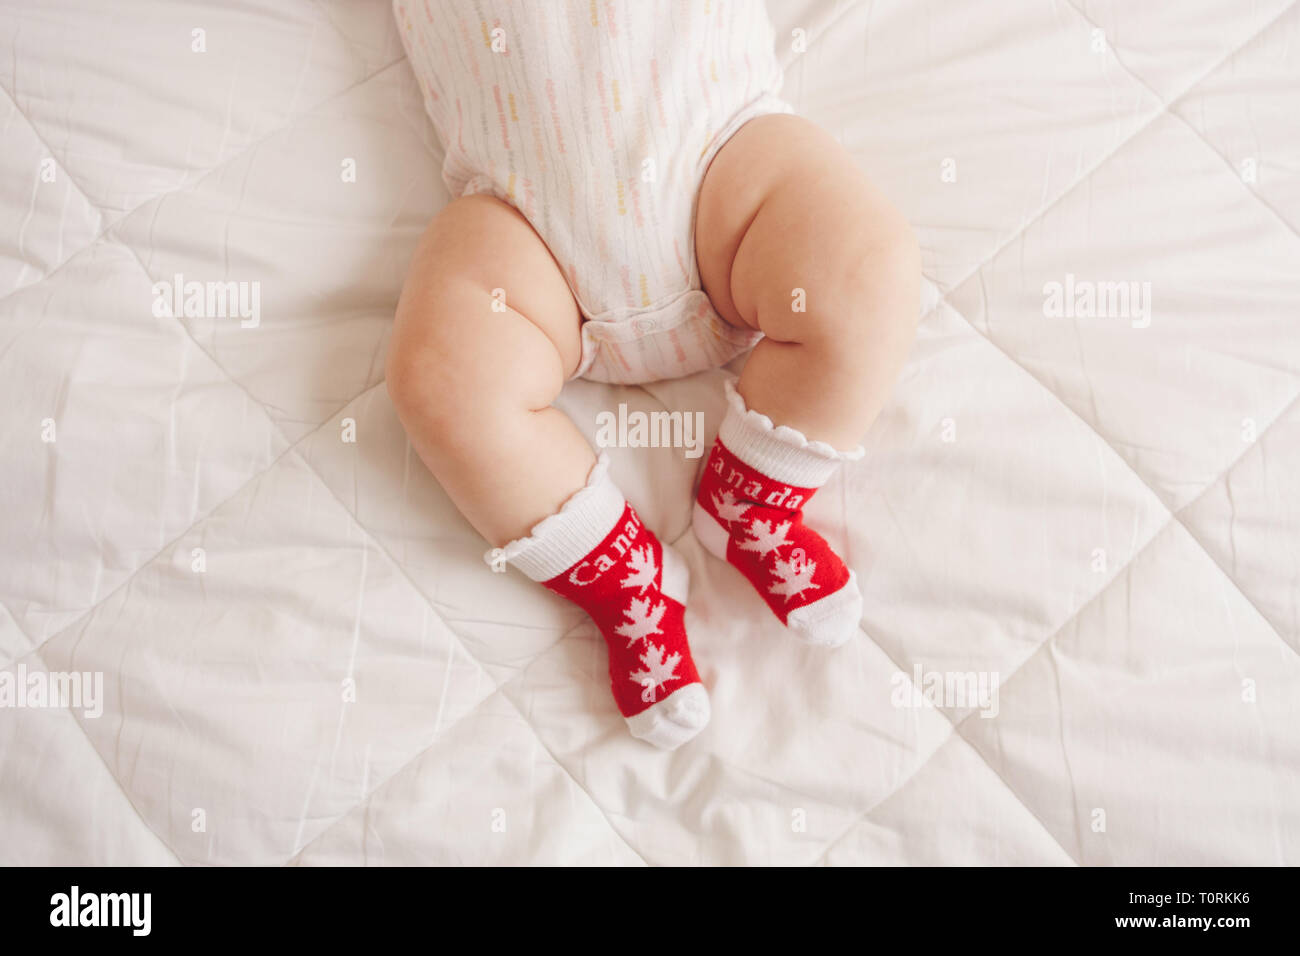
x: 749, y: 512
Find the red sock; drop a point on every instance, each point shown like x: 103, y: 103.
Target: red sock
x: 597, y: 553
x: 749, y: 512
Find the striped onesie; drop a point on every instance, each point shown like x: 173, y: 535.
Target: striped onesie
x: 597, y: 120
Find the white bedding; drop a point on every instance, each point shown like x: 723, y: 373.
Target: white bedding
x: 1101, y: 512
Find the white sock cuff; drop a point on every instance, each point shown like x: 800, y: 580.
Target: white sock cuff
x: 780, y: 452
x: 561, y: 540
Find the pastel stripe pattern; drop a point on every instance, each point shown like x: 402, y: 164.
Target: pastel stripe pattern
x: 597, y: 119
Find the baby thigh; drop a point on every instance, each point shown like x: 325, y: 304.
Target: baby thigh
x: 793, y: 240
x: 485, y: 336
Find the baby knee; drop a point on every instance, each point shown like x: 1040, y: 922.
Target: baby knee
x: 419, y: 387
x: 874, y: 279
x: 450, y: 381
x: 891, y: 267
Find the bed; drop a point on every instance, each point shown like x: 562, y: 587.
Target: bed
x: 1083, y: 498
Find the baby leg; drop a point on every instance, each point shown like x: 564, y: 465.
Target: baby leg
x: 792, y: 240
x: 486, y: 334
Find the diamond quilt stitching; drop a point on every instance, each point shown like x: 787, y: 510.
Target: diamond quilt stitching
x: 1165, y: 108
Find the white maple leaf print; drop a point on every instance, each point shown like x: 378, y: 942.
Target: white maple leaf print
x: 728, y: 508
x: 642, y: 563
x: 763, y: 538
x: 793, y: 577
x: 642, y: 620
x: 659, y: 670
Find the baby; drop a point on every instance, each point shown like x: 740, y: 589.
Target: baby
x: 633, y: 203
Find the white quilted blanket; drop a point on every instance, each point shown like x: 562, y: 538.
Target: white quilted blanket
x: 1085, y: 493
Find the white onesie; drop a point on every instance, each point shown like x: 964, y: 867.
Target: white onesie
x: 597, y: 120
